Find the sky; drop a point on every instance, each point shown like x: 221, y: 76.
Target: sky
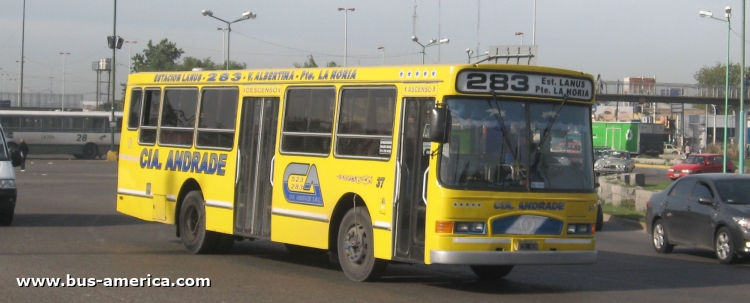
x: 666, y: 39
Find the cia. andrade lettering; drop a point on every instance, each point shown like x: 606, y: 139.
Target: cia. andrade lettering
x: 184, y: 161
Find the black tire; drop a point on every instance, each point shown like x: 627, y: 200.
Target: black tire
x: 724, y: 246
x: 659, y: 238
x: 90, y: 151
x: 355, y: 247
x: 6, y: 216
x: 491, y: 272
x: 193, y: 225
x: 599, y: 218
x: 674, y: 152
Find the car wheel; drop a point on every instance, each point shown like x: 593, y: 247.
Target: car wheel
x: 673, y: 179
x: 724, y: 246
x: 6, y: 216
x: 660, y: 240
x: 674, y: 152
x: 491, y: 272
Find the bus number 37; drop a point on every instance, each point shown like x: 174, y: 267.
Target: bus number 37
x: 496, y: 81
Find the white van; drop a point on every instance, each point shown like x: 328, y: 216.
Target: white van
x: 9, y: 158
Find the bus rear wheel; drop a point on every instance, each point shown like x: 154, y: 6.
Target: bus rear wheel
x: 193, y: 225
x: 355, y: 247
x: 90, y: 151
x: 491, y: 272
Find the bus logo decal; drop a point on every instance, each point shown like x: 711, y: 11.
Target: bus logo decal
x: 302, y: 185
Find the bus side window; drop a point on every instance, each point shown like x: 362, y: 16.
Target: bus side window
x: 31, y: 123
x: 134, y: 113
x: 178, y: 116
x: 216, y: 117
x: 73, y: 124
x: 150, y: 117
x: 366, y: 122
x: 52, y: 123
x: 308, y: 120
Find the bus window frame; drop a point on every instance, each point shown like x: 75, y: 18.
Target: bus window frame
x: 170, y: 128
x: 237, y: 121
x: 140, y: 110
x: 283, y: 123
x: 158, y: 121
x: 337, y: 121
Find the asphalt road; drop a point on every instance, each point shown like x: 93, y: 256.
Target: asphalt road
x: 66, y: 224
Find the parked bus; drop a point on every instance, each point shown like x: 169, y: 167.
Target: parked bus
x: 443, y: 164
x: 85, y: 135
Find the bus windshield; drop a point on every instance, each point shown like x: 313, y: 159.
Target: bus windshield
x: 495, y: 144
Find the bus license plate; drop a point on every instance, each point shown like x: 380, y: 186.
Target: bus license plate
x: 528, y: 245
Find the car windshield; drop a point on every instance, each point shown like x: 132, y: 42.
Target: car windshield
x: 694, y: 160
x: 734, y: 191
x: 495, y: 144
x: 615, y: 154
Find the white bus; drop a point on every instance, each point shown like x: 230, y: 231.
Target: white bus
x: 85, y: 135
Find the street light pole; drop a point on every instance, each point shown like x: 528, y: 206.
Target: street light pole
x: 433, y: 42
x: 520, y: 34
x: 23, y: 35
x: 382, y: 61
x: 743, y: 115
x: 245, y: 16
x: 130, y: 56
x: 728, y: 14
x: 62, y: 104
x: 223, y: 43
x: 346, y: 21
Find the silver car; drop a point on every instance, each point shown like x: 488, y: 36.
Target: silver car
x: 614, y: 162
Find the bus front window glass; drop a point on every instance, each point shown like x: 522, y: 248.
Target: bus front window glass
x: 216, y: 122
x: 308, y: 120
x: 366, y: 122
x: 134, y: 115
x: 150, y: 117
x: 492, y: 145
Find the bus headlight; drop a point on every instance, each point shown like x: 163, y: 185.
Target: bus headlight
x: 579, y: 228
x: 463, y: 227
x: 8, y: 183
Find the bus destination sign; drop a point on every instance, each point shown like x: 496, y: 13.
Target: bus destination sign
x: 538, y: 85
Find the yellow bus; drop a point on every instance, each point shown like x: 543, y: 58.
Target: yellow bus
x: 489, y: 166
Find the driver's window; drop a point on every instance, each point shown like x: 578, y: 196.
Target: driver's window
x: 702, y: 191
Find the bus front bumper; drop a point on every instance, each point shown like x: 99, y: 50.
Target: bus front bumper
x: 512, y: 257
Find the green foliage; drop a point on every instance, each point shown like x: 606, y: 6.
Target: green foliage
x: 160, y: 57
x: 625, y: 210
x: 716, y: 75
x: 165, y: 55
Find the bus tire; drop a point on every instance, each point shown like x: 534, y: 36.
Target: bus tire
x: 6, y: 216
x: 193, y: 225
x: 90, y: 151
x: 355, y: 247
x: 491, y: 272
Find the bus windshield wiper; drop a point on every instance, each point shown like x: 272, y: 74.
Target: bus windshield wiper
x: 495, y: 104
x: 546, y: 132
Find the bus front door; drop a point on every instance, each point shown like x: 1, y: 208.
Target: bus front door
x: 255, y: 149
x: 413, y: 161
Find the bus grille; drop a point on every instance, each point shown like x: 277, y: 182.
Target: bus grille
x: 527, y: 225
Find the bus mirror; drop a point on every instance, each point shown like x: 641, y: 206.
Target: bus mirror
x: 440, y: 122
x: 15, y: 157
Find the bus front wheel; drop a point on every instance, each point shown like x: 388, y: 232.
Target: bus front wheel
x: 193, y: 225
x: 355, y: 247
x: 491, y: 272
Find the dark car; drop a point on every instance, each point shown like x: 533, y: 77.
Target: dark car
x: 706, y: 210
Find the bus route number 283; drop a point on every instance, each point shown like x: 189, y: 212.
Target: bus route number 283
x: 483, y: 81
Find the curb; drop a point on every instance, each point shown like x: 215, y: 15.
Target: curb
x: 624, y: 222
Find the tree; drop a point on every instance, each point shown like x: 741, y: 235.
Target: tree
x: 160, y: 57
x: 310, y: 63
x: 716, y: 75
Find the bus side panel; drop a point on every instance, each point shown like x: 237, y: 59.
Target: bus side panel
x: 303, y: 216
x: 139, y: 207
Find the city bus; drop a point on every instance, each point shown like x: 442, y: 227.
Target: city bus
x: 426, y: 164
x: 85, y: 135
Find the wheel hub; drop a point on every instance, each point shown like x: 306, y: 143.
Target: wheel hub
x: 354, y: 244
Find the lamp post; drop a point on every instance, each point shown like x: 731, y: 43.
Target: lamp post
x: 23, y: 35
x: 62, y: 103
x: 520, y: 34
x: 245, y: 16
x: 223, y: 43
x: 346, y: 16
x: 382, y: 61
x: 728, y: 14
x: 470, y: 52
x: 743, y: 114
x: 433, y: 42
x: 130, y: 57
